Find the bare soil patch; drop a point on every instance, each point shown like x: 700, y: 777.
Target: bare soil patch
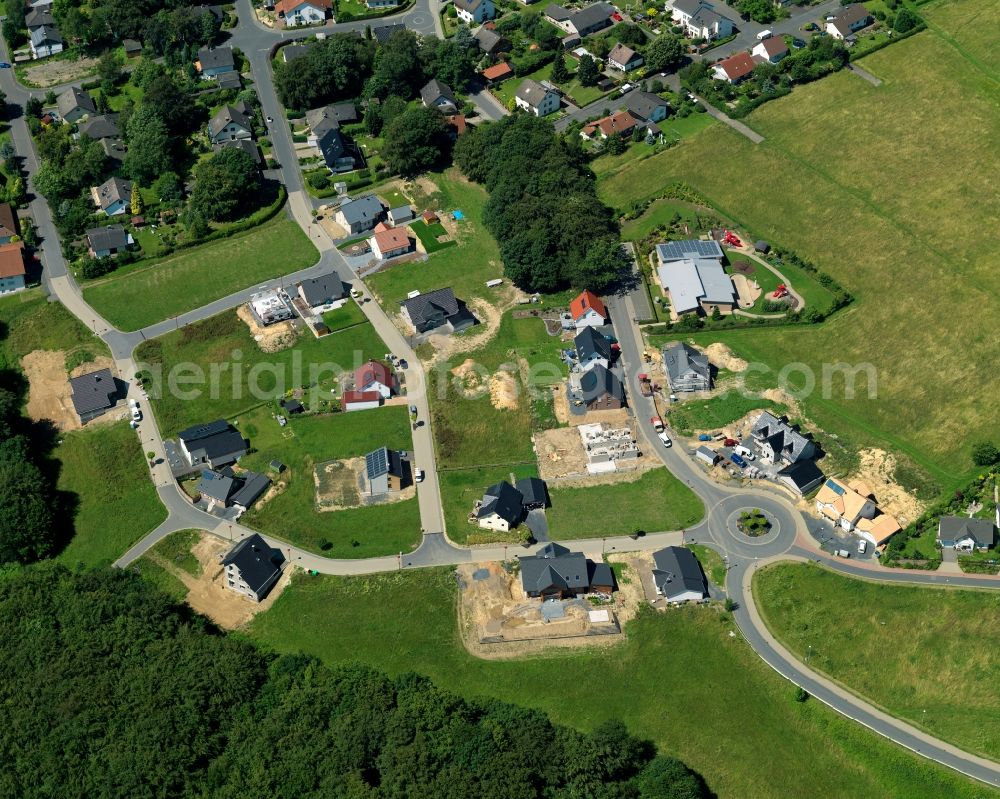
x: 49, y: 393
x: 504, y: 391
x: 340, y: 485
x: 877, y: 470
x: 271, y: 338
x: 55, y: 72
x: 208, y: 594
x: 723, y: 357
x: 489, y: 316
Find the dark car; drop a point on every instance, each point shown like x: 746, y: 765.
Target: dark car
x: 798, y: 44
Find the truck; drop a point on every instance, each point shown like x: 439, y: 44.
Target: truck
x: 738, y: 460
x: 645, y: 386
x: 657, y: 423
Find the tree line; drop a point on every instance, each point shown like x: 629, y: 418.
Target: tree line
x: 110, y: 689
x: 543, y: 209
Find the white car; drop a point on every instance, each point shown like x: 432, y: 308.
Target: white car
x: 862, y: 546
x: 665, y: 439
x: 419, y: 476
x: 133, y: 405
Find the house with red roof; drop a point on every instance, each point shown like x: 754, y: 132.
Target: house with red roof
x: 389, y: 242
x: 498, y: 72
x: 360, y: 400
x: 12, y: 271
x: 734, y: 69
x: 374, y: 376
x: 587, y: 310
x: 621, y: 123
x: 302, y: 12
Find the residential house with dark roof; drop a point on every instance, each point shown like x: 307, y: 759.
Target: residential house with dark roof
x: 678, y: 576
x: 386, y: 470
x: 213, y: 61
x: 383, y: 33
x: 400, y: 215
x: 13, y: 274
x: 534, y: 493
x: 375, y: 376
x: 779, y: 440
x: 333, y: 148
x: 9, y: 226
x: 44, y: 41
x: 376, y: 5
x: 587, y: 310
x: 438, y: 95
x: 215, y: 443
x: 502, y: 507
x: 360, y: 214
x: 475, y: 12
x: 253, y: 567
x: 691, y: 274
x: 490, y: 42
x: 686, y: 368
x: 646, y: 106
x: 104, y: 242
x: 322, y: 290
x: 592, y: 349
x: 601, y: 389
x: 965, y: 534
x: 249, y: 146
x: 848, y: 21
x: 588, y: 20
x: 536, y: 99
x: 100, y: 126
x: 699, y: 19
x: 94, y: 394
x: 292, y: 51
x: 231, y: 122
x: 216, y: 487
x: 624, y: 58
x: 114, y: 196
x: 75, y: 103
x: 132, y: 47
x: 437, y: 309
x: 328, y: 117
x: 801, y: 476
x: 554, y: 572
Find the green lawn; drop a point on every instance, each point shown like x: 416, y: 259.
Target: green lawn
x: 105, y: 468
x: 460, y: 488
x: 903, y: 233
x: 210, y: 347
x: 654, y: 503
x: 659, y: 213
x: 465, y: 268
x: 581, y: 95
x: 674, y: 129
x: 165, y: 581
x: 718, y: 411
x: 347, y: 315
x: 711, y: 563
x: 678, y: 679
x: 176, y: 550
x: 925, y: 654
x: 192, y: 278
x: 428, y: 235
x: 28, y: 322
x: 306, y: 441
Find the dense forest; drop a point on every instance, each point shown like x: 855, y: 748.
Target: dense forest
x: 112, y: 690
x: 543, y: 207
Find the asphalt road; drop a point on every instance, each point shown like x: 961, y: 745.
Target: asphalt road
x: 723, y: 504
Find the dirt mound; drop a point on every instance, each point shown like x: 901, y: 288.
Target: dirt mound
x: 878, y: 469
x: 272, y: 338
x: 723, y: 357
x: 472, y: 378
x: 504, y: 391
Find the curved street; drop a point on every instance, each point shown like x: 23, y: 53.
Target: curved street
x: 788, y: 539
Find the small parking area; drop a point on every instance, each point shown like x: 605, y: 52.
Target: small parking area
x: 833, y: 538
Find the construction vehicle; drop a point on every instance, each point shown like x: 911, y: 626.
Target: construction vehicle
x: 657, y: 423
x: 645, y: 386
x: 732, y: 239
x: 781, y: 291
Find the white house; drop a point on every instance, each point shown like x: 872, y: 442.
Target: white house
x: 536, y: 99
x: 849, y: 20
x: 302, y: 12
x: 965, y: 534
x: 475, y: 12
x: 587, y: 310
x: 360, y: 400
x: 12, y: 271
x: 389, y: 242
x: 44, y: 41
x: 592, y: 349
x: 624, y: 58
x: 502, y: 507
x: 700, y: 20
x: 253, y: 567
x: 374, y: 376
x: 772, y: 49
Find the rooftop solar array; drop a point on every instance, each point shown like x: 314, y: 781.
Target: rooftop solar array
x: 692, y: 248
x: 377, y: 462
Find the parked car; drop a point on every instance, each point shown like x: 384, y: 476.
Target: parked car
x: 843, y: 553
x: 413, y: 409
x: 798, y: 44
x: 738, y: 460
x: 418, y: 476
x: 862, y: 546
x: 665, y: 439
x: 355, y: 293
x: 133, y: 405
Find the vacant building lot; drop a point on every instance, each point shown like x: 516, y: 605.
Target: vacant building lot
x: 934, y: 648
x: 153, y: 291
x: 890, y: 190
x: 703, y: 694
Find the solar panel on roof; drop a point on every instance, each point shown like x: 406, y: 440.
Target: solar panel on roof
x: 837, y: 489
x: 679, y: 250
x: 377, y: 463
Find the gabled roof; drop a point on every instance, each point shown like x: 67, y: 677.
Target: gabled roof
x: 383, y: 461
x: 12, y: 259
x: 224, y: 116
x: 554, y: 566
x: 805, y: 474
x: 46, y: 34
x: 288, y: 6
x: 38, y: 17
x: 955, y: 528
x: 361, y: 209
x: 588, y: 17
x: 679, y: 358
x: 557, y: 12
x: 599, y: 382
x: 843, y: 501
x: 101, y: 126
x: 202, y: 431
x: 880, y: 529
x: 533, y: 491
x: 590, y: 343
x: 584, y: 302
x: 619, y: 123
x: 503, y: 500
x: 93, y: 391
x: 677, y: 571
x: 215, y: 57
x: 360, y: 396
x: 498, y: 71
x: 383, y: 33
x: 251, y: 486
x: 216, y: 486
x: 109, y: 237
x: 621, y: 54
x: 643, y: 104
x: 532, y: 92
x: 436, y: 90
x: 424, y: 307
x: 774, y: 45
x: 331, y: 145
x: 792, y: 441
x: 74, y: 98
x: 850, y: 15
x: 256, y: 561
x: 246, y: 145
x: 392, y: 238
x: 8, y: 220
x: 487, y: 39
x: 690, y: 248
x: 468, y: 5
x: 292, y: 51
x: 114, y: 190
x: 316, y: 290
x: 737, y: 66
x: 373, y: 371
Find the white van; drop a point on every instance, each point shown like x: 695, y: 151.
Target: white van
x: 744, y: 452
x: 767, y: 34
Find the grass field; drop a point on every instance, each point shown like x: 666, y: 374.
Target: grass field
x: 192, y: 278
x: 346, y: 315
x: 210, y: 346
x: 927, y: 655
x: 460, y: 488
x: 28, y: 322
x: 176, y: 549
x: 465, y: 267
x: 711, y: 563
x: 720, y: 410
x: 306, y: 441
x: 674, y: 129
x: 428, y: 235
x: 678, y: 679
x: 656, y: 502
x: 901, y: 227
x: 105, y: 468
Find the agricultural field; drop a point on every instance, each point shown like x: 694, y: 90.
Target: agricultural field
x: 211, y: 344
x: 902, y: 230
x: 934, y: 647
x: 705, y: 696
x: 189, y: 279
x: 361, y: 532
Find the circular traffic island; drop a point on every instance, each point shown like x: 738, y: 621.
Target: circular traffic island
x: 753, y: 523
